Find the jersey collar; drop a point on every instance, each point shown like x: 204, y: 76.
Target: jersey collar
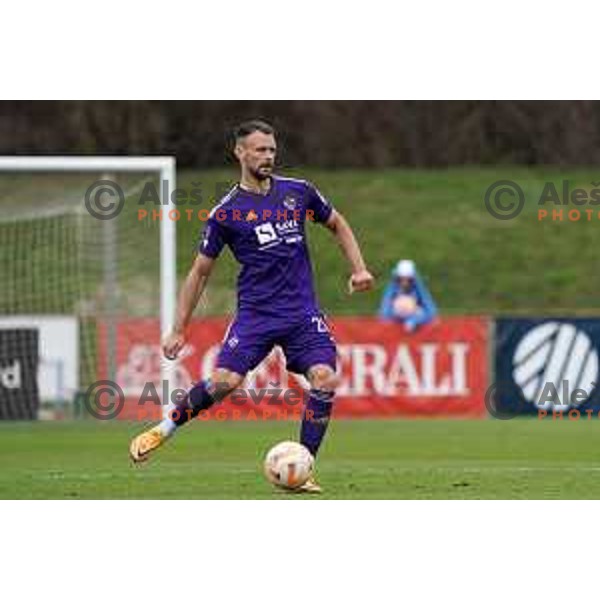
x: 259, y: 194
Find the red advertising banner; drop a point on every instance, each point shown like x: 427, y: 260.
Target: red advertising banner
x: 439, y: 371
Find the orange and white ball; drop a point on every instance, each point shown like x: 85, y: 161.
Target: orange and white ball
x: 288, y: 465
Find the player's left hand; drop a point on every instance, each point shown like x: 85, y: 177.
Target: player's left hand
x: 361, y: 281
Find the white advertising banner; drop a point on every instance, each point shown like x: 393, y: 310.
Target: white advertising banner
x: 58, y: 372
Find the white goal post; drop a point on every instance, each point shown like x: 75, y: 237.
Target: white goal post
x: 165, y: 168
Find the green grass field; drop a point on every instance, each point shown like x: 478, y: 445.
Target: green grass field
x: 473, y: 263
x: 361, y: 459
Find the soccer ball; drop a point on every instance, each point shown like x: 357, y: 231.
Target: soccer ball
x: 288, y: 465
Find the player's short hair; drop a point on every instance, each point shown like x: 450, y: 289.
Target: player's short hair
x: 247, y: 127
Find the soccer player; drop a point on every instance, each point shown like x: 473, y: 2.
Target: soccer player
x: 262, y: 221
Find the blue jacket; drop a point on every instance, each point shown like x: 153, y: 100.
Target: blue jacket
x: 423, y: 297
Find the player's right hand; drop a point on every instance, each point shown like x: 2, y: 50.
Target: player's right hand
x: 172, y: 344
x: 362, y: 281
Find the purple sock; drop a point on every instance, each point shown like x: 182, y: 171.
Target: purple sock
x: 315, y: 419
x: 197, y: 399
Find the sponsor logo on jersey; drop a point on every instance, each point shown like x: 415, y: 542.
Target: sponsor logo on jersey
x: 289, y: 202
x: 287, y: 226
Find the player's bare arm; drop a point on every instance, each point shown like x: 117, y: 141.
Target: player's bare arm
x: 361, y: 279
x: 189, y: 296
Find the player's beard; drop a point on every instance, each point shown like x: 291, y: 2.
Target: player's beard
x: 263, y: 172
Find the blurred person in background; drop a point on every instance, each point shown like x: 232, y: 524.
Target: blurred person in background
x: 406, y: 298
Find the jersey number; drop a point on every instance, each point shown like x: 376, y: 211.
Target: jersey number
x: 321, y: 325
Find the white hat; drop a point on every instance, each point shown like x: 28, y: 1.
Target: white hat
x: 405, y: 268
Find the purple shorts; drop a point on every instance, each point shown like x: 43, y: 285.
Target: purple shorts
x: 250, y: 338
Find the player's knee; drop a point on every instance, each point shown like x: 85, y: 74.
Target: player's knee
x: 223, y: 382
x: 324, y: 378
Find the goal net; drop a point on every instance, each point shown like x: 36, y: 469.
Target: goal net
x: 73, y: 277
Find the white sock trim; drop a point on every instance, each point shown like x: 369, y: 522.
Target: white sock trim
x: 167, y: 427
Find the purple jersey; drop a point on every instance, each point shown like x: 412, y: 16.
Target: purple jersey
x: 266, y: 235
